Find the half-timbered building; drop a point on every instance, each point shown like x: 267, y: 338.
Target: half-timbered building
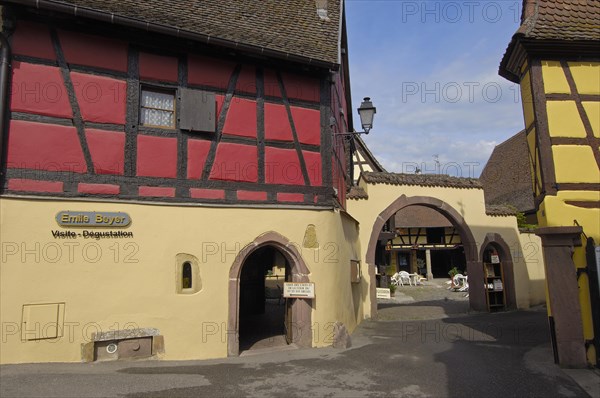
x: 554, y: 58
x: 160, y: 160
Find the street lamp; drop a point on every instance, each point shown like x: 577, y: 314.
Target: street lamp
x: 367, y: 113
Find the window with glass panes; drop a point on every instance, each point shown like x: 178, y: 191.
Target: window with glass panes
x: 157, y: 108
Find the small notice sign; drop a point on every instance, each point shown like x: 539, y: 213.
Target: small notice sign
x: 495, y: 259
x: 383, y: 293
x: 299, y: 290
x: 92, y: 219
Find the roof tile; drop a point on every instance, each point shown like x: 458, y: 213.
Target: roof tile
x: 424, y: 180
x: 562, y: 19
x: 288, y: 27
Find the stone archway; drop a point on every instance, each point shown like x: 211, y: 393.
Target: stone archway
x: 474, y: 268
x: 300, y: 309
x: 495, y: 240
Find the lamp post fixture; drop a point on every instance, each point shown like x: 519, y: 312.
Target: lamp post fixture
x: 366, y: 111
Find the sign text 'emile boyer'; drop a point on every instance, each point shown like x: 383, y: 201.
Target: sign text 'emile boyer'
x: 92, y: 219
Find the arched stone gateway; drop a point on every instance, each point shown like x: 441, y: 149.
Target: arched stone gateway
x: 300, y: 310
x: 477, y: 299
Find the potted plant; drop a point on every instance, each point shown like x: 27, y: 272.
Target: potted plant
x: 392, y: 289
x: 453, y: 272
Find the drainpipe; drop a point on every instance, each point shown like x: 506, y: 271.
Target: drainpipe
x: 4, y: 78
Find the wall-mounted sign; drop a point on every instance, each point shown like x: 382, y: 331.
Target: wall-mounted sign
x: 298, y: 290
x: 383, y: 293
x: 495, y: 259
x: 92, y: 219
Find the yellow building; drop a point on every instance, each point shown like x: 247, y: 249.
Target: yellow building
x: 554, y: 58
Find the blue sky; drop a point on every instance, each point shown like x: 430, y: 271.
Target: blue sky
x: 431, y: 69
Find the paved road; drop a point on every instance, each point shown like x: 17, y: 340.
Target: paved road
x: 443, y: 352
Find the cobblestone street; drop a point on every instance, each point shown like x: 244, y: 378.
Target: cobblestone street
x: 429, y: 300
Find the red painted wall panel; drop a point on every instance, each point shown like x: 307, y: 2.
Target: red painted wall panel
x: 39, y: 89
x: 101, y: 99
x: 246, y: 82
x: 159, y: 192
x: 235, y: 162
x: 282, y: 167
x: 251, y: 195
x: 211, y: 72
x: 107, y: 149
x: 98, y: 189
x: 197, y: 153
x: 241, y: 118
x: 156, y: 156
x: 308, y: 125
x: 301, y: 87
x: 35, y: 186
x: 199, y: 193
x: 33, y: 40
x: 158, y: 67
x: 314, y: 167
x: 290, y: 197
x: 277, y: 123
x: 101, y: 52
x: 46, y: 147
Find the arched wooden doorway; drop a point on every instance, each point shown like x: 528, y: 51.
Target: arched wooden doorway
x: 494, y: 242
x: 299, y: 311
x: 477, y: 298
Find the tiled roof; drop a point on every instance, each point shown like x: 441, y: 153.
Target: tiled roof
x: 500, y: 210
x: 357, y: 193
x: 424, y: 180
x: 506, y: 178
x: 561, y: 19
x: 290, y: 28
x: 562, y: 23
x: 420, y: 217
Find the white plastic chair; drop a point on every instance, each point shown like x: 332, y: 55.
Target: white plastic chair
x: 404, y: 278
x: 459, y: 282
x: 465, y: 285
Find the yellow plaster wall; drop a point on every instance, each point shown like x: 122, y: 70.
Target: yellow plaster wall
x: 527, y: 100
x: 586, y: 76
x: 564, y: 119
x: 533, y: 259
x: 555, y: 81
x: 471, y: 205
x: 559, y: 213
x: 131, y: 283
x: 592, y: 110
x: 575, y: 163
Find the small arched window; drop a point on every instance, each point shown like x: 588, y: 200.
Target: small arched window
x: 186, y: 276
